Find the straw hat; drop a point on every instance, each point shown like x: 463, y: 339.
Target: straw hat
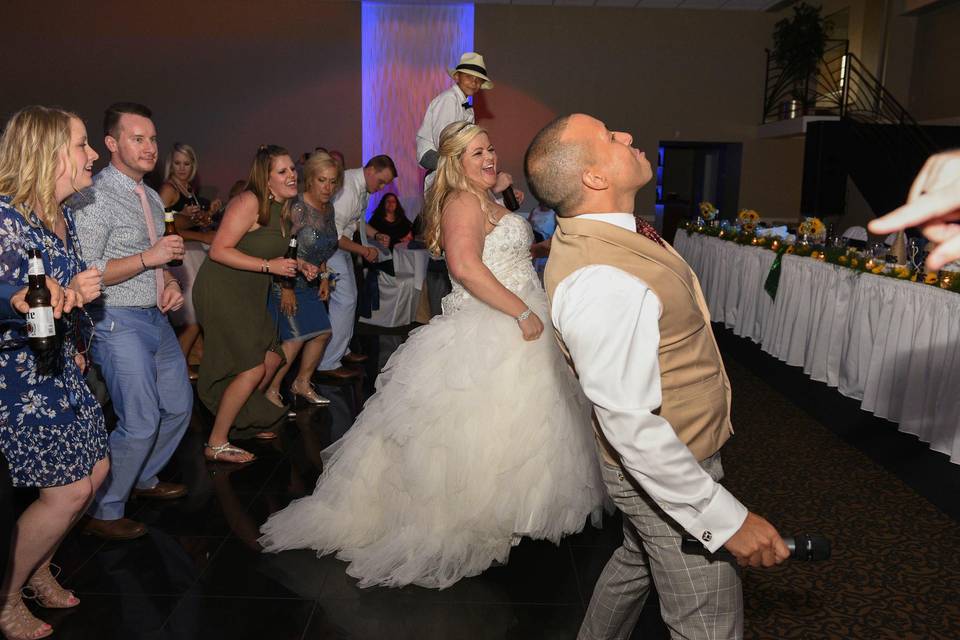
x: 472, y: 63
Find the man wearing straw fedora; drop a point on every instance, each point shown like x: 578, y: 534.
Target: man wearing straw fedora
x: 452, y: 105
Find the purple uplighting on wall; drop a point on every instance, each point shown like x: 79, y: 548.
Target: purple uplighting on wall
x: 406, y: 51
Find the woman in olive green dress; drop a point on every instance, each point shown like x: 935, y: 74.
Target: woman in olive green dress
x: 241, y: 346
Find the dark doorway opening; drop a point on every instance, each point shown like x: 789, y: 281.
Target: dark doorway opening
x: 689, y: 173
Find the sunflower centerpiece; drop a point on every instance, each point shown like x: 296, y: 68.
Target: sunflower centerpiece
x: 812, y: 230
x: 708, y: 212
x: 748, y: 219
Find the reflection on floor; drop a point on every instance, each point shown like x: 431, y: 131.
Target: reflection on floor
x: 199, y: 573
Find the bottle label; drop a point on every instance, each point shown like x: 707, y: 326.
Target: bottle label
x: 168, y: 216
x: 40, y: 322
x: 35, y: 267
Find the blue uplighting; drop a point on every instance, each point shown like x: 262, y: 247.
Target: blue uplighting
x: 392, y: 47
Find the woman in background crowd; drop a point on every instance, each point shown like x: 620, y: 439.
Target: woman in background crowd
x: 389, y: 223
x: 299, y: 311
x: 241, y: 349
x: 192, y: 215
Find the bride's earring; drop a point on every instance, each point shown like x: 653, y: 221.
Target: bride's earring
x: 270, y: 196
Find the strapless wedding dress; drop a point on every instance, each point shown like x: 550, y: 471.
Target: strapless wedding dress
x: 473, y: 439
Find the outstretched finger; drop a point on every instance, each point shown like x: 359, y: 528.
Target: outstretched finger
x: 943, y: 202
x: 923, y: 181
x: 945, y: 253
x: 937, y: 232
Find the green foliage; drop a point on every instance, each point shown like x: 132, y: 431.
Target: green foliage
x: 798, y: 45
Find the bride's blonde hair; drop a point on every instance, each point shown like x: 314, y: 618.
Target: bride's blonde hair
x: 451, y: 180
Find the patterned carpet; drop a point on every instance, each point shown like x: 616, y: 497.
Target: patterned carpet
x: 894, y: 571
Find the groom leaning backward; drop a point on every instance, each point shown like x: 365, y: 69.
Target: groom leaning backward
x: 632, y: 321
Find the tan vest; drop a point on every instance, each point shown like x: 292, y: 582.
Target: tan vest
x: 694, y: 385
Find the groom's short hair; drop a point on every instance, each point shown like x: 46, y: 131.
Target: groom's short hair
x: 553, y: 166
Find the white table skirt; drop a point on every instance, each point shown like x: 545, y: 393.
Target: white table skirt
x: 892, y: 344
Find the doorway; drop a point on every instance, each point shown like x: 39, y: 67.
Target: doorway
x: 689, y: 173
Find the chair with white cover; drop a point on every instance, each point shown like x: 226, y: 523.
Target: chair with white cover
x: 856, y: 237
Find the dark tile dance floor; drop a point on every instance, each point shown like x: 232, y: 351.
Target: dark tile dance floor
x: 199, y: 573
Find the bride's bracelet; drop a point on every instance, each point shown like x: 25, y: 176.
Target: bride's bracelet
x: 523, y: 316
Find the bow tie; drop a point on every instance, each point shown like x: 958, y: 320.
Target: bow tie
x: 467, y: 105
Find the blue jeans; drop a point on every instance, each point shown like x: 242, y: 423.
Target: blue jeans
x: 146, y: 375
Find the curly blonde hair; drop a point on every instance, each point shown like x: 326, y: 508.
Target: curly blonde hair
x: 450, y: 181
x: 30, y: 152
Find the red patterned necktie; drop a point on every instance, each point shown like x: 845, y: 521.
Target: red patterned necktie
x: 648, y: 231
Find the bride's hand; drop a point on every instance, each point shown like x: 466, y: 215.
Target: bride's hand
x: 531, y: 327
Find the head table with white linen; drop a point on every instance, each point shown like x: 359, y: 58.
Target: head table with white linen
x: 892, y: 344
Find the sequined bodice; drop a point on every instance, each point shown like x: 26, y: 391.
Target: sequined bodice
x: 506, y: 252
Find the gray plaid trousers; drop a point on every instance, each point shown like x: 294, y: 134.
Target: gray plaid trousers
x: 699, y: 599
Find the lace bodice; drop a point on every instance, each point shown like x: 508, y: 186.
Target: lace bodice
x: 506, y: 252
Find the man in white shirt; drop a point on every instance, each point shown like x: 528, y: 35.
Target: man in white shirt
x: 630, y: 316
x: 452, y: 105
x: 350, y: 208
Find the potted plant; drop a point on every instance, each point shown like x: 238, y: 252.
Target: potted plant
x: 798, y: 45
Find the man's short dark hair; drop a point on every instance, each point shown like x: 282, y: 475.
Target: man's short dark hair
x: 111, y: 117
x: 553, y: 167
x: 381, y: 162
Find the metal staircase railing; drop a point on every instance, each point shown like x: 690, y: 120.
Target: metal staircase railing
x: 866, y: 101
x: 841, y: 86
x: 820, y: 93
x: 881, y: 146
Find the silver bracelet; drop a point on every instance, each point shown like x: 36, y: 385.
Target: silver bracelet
x: 523, y: 316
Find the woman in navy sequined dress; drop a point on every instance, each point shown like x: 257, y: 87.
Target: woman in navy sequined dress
x: 52, y: 431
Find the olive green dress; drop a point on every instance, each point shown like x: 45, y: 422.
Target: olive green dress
x: 238, y: 331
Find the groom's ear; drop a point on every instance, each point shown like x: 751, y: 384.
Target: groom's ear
x: 594, y: 181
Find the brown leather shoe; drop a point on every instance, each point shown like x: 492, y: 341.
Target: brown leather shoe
x: 353, y: 358
x: 122, y: 529
x: 162, y: 491
x: 340, y: 373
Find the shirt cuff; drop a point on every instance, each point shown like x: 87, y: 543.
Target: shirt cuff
x: 101, y: 265
x: 723, y: 517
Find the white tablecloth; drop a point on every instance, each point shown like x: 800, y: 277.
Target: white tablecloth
x: 892, y: 344
x: 400, y: 294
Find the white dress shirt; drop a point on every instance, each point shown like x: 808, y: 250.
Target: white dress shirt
x: 444, y: 109
x: 609, y: 321
x: 350, y: 204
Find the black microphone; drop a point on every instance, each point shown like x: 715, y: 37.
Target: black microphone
x: 805, y: 546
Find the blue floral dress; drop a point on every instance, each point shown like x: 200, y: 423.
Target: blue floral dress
x: 52, y: 430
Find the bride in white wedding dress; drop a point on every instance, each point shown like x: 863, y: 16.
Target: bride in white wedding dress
x: 478, y: 433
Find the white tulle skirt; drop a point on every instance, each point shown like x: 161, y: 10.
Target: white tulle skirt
x: 473, y: 439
